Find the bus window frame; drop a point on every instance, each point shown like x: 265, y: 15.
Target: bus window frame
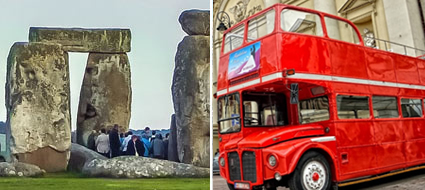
x: 416, y: 98
x: 324, y: 36
x: 240, y: 116
x: 268, y: 126
x: 245, y: 23
x: 398, y: 104
x: 277, y: 29
x: 330, y: 110
x: 371, y: 116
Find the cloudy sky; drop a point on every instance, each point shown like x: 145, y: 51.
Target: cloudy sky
x: 155, y: 34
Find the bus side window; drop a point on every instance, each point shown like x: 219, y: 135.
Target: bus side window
x: 314, y: 110
x: 301, y: 22
x: 341, y: 30
x: 385, y: 106
x: 353, y: 107
x: 261, y: 25
x: 234, y: 39
x: 411, y: 107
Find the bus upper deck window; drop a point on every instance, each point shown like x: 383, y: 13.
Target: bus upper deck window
x: 301, y: 22
x: 261, y: 25
x: 341, y: 30
x: 234, y: 38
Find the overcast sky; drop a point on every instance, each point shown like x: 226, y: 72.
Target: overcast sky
x: 155, y: 30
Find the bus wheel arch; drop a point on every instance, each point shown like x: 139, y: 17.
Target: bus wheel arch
x: 313, y: 171
x: 322, y: 150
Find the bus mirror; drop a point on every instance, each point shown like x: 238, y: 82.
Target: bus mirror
x: 294, y: 93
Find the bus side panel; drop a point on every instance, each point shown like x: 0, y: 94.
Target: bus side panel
x: 347, y: 60
x: 222, y: 82
x: 421, y: 69
x: 415, y: 140
x: 356, y: 148
x: 290, y: 153
x: 305, y: 54
x: 380, y: 65
x: 406, y: 70
x: 268, y: 58
x: 389, y: 136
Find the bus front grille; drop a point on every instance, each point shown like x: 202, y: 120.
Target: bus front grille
x: 249, y: 168
x: 234, y: 166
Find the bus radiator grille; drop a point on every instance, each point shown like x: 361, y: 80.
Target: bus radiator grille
x: 234, y: 166
x: 249, y: 167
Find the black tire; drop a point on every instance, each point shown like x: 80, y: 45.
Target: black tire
x: 231, y: 187
x: 315, y: 162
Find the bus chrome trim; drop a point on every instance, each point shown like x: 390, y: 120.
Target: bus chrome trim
x: 354, y: 80
x: 367, y: 179
x: 243, y: 85
x: 323, y: 139
x: 272, y: 77
x: 221, y: 92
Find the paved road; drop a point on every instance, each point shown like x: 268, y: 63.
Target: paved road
x: 408, y: 181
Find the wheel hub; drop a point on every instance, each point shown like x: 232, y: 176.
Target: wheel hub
x: 314, y: 175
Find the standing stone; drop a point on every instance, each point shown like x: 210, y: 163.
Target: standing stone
x: 172, y: 141
x: 195, y: 22
x: 105, y: 97
x: 191, y: 100
x: 37, y: 102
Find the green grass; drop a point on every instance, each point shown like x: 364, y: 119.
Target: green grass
x: 73, y: 181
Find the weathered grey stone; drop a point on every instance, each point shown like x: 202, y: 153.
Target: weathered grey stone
x: 172, y: 141
x: 191, y: 94
x: 18, y: 169
x: 80, y: 156
x: 195, y: 22
x: 37, y: 102
x: 105, y: 97
x: 108, y: 40
x: 141, y: 167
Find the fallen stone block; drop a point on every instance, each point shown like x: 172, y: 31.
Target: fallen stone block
x: 18, y: 169
x: 142, y: 167
x: 80, y: 156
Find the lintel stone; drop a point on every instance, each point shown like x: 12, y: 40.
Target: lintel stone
x: 105, y: 40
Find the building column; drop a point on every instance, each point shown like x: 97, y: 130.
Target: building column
x: 411, y: 34
x: 268, y: 3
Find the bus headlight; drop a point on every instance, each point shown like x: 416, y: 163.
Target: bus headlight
x: 222, y: 162
x: 272, y: 161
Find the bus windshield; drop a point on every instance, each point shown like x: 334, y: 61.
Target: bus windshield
x: 264, y: 109
x: 229, y: 113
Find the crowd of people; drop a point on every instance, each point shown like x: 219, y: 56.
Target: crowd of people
x: 112, y: 144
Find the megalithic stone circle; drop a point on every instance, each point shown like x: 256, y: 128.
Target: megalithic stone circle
x: 37, y: 102
x: 105, y: 97
x: 37, y: 91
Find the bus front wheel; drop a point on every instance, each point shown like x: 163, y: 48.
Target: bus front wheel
x: 312, y: 172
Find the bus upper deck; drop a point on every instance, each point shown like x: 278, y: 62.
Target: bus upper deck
x: 315, y: 45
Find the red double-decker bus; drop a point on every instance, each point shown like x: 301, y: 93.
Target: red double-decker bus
x: 303, y: 103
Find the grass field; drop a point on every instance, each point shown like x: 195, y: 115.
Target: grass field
x: 72, y: 181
